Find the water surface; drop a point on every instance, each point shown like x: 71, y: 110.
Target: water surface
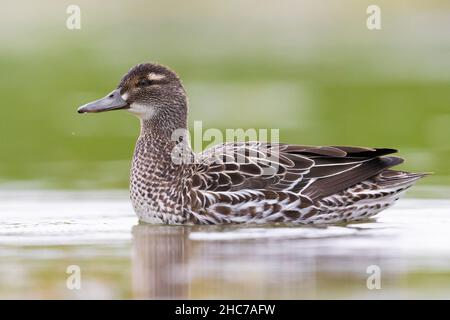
x: 43, y: 232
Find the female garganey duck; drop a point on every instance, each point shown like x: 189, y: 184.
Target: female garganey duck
x: 248, y: 182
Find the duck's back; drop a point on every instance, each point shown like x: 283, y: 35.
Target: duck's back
x: 261, y: 182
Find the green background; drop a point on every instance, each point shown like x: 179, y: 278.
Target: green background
x: 310, y: 68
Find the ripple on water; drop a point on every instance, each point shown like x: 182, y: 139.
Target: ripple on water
x: 273, y: 233
x: 42, y: 232
x: 64, y: 218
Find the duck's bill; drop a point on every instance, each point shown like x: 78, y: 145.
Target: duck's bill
x: 112, y: 101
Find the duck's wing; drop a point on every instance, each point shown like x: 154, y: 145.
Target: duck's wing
x: 314, y: 172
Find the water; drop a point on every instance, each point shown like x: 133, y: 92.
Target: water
x: 44, y: 232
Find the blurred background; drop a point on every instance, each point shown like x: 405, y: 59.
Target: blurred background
x: 310, y: 68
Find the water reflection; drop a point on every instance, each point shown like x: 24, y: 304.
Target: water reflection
x: 160, y: 262
x: 196, y: 262
x: 41, y: 236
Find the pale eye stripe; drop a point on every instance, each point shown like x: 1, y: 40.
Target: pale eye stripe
x: 155, y: 76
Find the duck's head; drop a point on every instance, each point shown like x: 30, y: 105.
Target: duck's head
x: 147, y: 90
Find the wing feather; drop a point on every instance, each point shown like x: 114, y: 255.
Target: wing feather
x: 313, y: 171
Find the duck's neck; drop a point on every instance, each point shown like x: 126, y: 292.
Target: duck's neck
x: 157, y: 164
x: 160, y: 138
x: 161, y: 128
x: 158, y: 182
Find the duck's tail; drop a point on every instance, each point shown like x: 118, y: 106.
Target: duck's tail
x: 368, y: 197
x: 397, y: 180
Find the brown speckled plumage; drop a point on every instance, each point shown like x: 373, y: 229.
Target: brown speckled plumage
x: 250, y: 182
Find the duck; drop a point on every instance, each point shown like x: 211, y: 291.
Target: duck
x: 248, y: 182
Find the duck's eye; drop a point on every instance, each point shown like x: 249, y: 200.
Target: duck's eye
x: 144, y: 82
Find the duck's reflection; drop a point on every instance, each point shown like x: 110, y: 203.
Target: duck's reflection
x: 160, y: 268
x: 167, y: 264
